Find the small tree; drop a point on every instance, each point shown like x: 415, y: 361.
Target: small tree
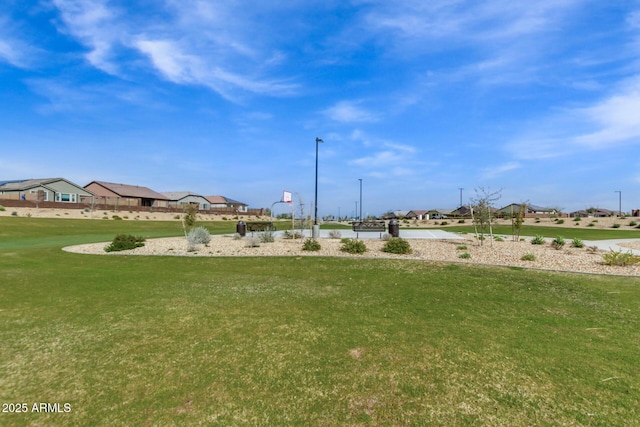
x: 517, y: 219
x: 481, y: 214
x: 189, y: 217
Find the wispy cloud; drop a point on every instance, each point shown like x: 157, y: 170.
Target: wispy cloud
x: 193, y: 44
x: 495, y: 171
x: 350, y: 112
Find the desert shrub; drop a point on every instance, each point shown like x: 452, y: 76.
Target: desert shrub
x: 528, y: 257
x: 2, y: 209
x: 558, y: 242
x: 444, y: 223
x: 267, y: 237
x: 224, y: 218
x: 538, y: 240
x: 616, y: 225
x: 237, y: 236
x: 577, y: 243
x: 465, y: 255
x: 498, y: 239
x: 386, y: 237
x: 461, y: 221
x: 353, y: 246
x: 311, y: 245
x: 116, y: 217
x: 124, y: 242
x: 176, y: 217
x: 577, y: 219
x: 292, y: 235
x: 335, y: 234
x: 560, y: 221
x: 14, y: 213
x: 591, y: 224
x: 253, y: 242
x: 397, y: 245
x: 633, y: 224
x: 461, y: 247
x: 198, y: 235
x: 620, y: 259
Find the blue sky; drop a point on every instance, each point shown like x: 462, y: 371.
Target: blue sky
x: 416, y: 98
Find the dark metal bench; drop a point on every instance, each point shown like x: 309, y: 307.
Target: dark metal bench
x: 260, y: 226
x: 369, y: 226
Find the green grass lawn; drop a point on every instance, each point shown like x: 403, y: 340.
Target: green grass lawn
x: 131, y: 340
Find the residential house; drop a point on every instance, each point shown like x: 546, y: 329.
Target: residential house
x: 395, y: 215
x: 180, y: 199
x: 439, y: 213
x: 593, y: 212
x: 45, y: 190
x: 124, y: 195
x: 225, y: 202
x: 531, y: 210
x: 418, y: 214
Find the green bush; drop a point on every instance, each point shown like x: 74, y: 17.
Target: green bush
x: 444, y: 223
x: 591, y: 224
x: 461, y: 221
x: 353, y: 246
x: 397, y: 245
x: 124, y: 242
x: 616, y: 225
x: 465, y: 255
x: 116, y: 217
x: 498, y: 239
x: 577, y: 243
x: 558, y: 242
x: 559, y: 221
x: 528, y: 257
x: 461, y: 247
x: 620, y: 259
x: 311, y: 245
x: 2, y: 209
x: 631, y: 224
x: 538, y: 240
x: 198, y: 235
x: 577, y: 219
x: 14, y: 213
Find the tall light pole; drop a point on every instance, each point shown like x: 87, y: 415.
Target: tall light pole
x: 460, y: 196
x: 315, y: 232
x: 619, y: 202
x: 360, y: 179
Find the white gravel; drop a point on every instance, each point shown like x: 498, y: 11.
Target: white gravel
x: 508, y: 253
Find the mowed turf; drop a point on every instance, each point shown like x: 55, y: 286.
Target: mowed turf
x: 130, y: 340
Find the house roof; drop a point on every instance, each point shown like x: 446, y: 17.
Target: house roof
x: 26, y: 184
x: 132, y: 191
x: 418, y: 211
x: 178, y: 195
x: 223, y: 200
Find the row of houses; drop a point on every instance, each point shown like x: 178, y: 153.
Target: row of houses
x: 505, y: 211
x: 110, y: 195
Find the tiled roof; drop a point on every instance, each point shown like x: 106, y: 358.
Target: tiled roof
x: 133, y: 191
x: 217, y: 200
x: 24, y: 184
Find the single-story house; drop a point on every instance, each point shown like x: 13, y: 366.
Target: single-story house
x: 45, y: 190
x: 531, y: 209
x: 593, y: 212
x: 462, y: 211
x: 395, y: 215
x: 182, y: 198
x: 225, y: 202
x: 124, y: 195
x: 418, y: 214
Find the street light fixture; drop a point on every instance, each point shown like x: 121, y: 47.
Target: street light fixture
x: 619, y: 202
x: 316, y: 228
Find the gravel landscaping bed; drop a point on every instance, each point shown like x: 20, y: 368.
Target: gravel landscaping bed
x: 506, y: 253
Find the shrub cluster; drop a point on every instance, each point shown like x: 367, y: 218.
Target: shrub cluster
x: 124, y: 242
x: 311, y: 245
x: 353, y: 246
x: 577, y: 243
x: 397, y: 245
x: 465, y: 255
x: 619, y: 258
x: 335, y: 234
x: 292, y: 235
x: 528, y: 257
x: 267, y: 237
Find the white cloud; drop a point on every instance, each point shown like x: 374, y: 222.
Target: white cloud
x: 349, y: 112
